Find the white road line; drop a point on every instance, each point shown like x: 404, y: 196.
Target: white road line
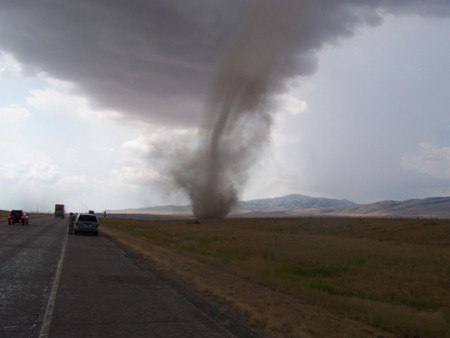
x: 52, y: 297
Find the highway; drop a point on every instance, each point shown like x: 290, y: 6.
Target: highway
x: 57, y: 285
x: 29, y: 255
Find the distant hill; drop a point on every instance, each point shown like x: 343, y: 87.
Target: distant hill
x: 436, y: 207
x: 295, y: 205
x: 281, y: 205
x: 162, y: 209
x: 291, y: 203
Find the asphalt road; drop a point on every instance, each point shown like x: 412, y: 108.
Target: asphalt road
x: 29, y: 255
x: 58, y: 285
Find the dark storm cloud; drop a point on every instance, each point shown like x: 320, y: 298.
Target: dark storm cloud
x: 150, y: 59
x: 155, y: 60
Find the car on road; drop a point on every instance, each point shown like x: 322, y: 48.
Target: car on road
x: 18, y: 216
x: 86, y: 223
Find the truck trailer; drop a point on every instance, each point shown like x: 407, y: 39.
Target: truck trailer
x: 59, y: 210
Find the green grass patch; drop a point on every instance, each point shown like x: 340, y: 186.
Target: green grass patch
x: 315, y: 271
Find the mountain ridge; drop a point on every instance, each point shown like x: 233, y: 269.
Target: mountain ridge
x: 295, y: 205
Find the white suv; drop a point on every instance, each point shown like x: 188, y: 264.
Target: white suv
x: 87, y: 223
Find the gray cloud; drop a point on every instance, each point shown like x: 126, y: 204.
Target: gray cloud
x: 149, y: 59
x: 155, y: 60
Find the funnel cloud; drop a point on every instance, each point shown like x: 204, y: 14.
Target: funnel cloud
x: 237, y: 121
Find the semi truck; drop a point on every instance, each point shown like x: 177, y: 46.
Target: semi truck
x: 59, y: 210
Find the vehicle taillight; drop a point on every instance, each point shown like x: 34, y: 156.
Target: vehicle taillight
x: 21, y: 217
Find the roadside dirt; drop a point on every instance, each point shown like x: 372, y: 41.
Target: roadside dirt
x: 278, y: 314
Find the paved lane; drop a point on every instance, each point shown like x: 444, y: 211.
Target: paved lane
x: 100, y: 290
x: 103, y: 293
x: 28, y: 259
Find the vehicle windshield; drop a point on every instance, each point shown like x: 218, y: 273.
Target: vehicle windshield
x: 88, y: 218
x: 16, y: 213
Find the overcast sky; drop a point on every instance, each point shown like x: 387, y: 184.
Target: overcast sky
x: 91, y: 92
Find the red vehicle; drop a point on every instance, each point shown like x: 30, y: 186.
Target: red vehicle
x: 18, y: 216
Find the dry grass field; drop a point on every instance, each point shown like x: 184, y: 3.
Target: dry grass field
x: 302, y: 277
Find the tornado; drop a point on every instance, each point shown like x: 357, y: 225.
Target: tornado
x: 237, y: 121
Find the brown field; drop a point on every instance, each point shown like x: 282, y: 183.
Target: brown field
x: 300, y: 277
